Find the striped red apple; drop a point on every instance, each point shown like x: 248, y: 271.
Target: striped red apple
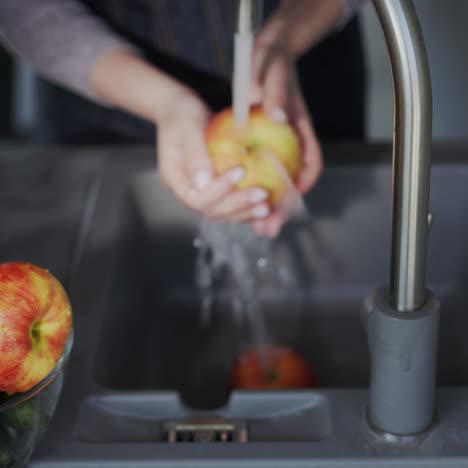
x: 35, y: 322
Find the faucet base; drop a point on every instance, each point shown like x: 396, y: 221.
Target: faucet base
x: 403, y: 352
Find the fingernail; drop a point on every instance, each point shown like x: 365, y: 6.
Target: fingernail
x: 236, y: 175
x: 202, y: 178
x: 260, y: 212
x: 258, y: 195
x: 278, y: 115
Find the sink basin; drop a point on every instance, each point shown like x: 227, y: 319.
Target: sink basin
x: 146, y: 369
x: 152, y: 335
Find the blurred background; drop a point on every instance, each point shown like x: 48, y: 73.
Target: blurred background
x: 444, y: 26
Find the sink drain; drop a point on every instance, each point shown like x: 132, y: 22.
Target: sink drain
x: 203, y: 431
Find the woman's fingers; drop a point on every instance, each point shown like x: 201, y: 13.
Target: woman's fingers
x: 198, y: 161
x: 276, y: 89
x: 205, y: 199
x: 312, y: 159
x: 219, y: 199
x: 172, y: 170
x: 241, y: 206
x: 183, y: 160
x: 199, y: 194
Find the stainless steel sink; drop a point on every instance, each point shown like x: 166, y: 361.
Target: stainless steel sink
x: 153, y: 336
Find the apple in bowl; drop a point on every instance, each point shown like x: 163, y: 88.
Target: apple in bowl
x: 35, y: 323
x: 270, y: 152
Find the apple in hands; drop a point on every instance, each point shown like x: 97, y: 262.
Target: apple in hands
x: 35, y: 322
x: 267, y: 150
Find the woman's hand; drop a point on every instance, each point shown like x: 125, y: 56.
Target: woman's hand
x: 185, y: 166
x: 276, y: 86
x: 128, y: 82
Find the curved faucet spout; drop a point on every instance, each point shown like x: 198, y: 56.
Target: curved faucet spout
x: 411, y: 151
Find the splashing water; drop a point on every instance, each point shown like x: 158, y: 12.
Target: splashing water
x: 236, y: 268
x: 231, y: 260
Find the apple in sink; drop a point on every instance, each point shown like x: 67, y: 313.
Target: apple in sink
x: 35, y: 322
x: 269, y: 152
x: 272, y: 368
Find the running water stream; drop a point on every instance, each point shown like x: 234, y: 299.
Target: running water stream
x: 237, y: 269
x: 243, y: 51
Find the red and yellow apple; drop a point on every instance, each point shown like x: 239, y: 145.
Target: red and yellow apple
x: 272, y: 368
x: 35, y: 322
x: 258, y: 148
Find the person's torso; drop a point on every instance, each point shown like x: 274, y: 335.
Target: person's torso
x: 192, y: 40
x: 198, y: 32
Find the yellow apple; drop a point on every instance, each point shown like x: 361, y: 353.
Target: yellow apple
x: 35, y: 322
x: 269, y: 152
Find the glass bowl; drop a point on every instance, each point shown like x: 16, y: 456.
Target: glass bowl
x: 24, y: 417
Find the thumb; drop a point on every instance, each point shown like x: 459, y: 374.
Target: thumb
x: 256, y: 85
x: 199, y: 166
x: 256, y: 92
x: 276, y: 91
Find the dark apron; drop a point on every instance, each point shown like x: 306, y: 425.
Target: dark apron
x: 192, y: 40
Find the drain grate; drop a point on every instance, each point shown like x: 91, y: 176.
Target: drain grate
x: 203, y: 431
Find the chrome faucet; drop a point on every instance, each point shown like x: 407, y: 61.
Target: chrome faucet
x: 402, y: 320
x: 411, y: 151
